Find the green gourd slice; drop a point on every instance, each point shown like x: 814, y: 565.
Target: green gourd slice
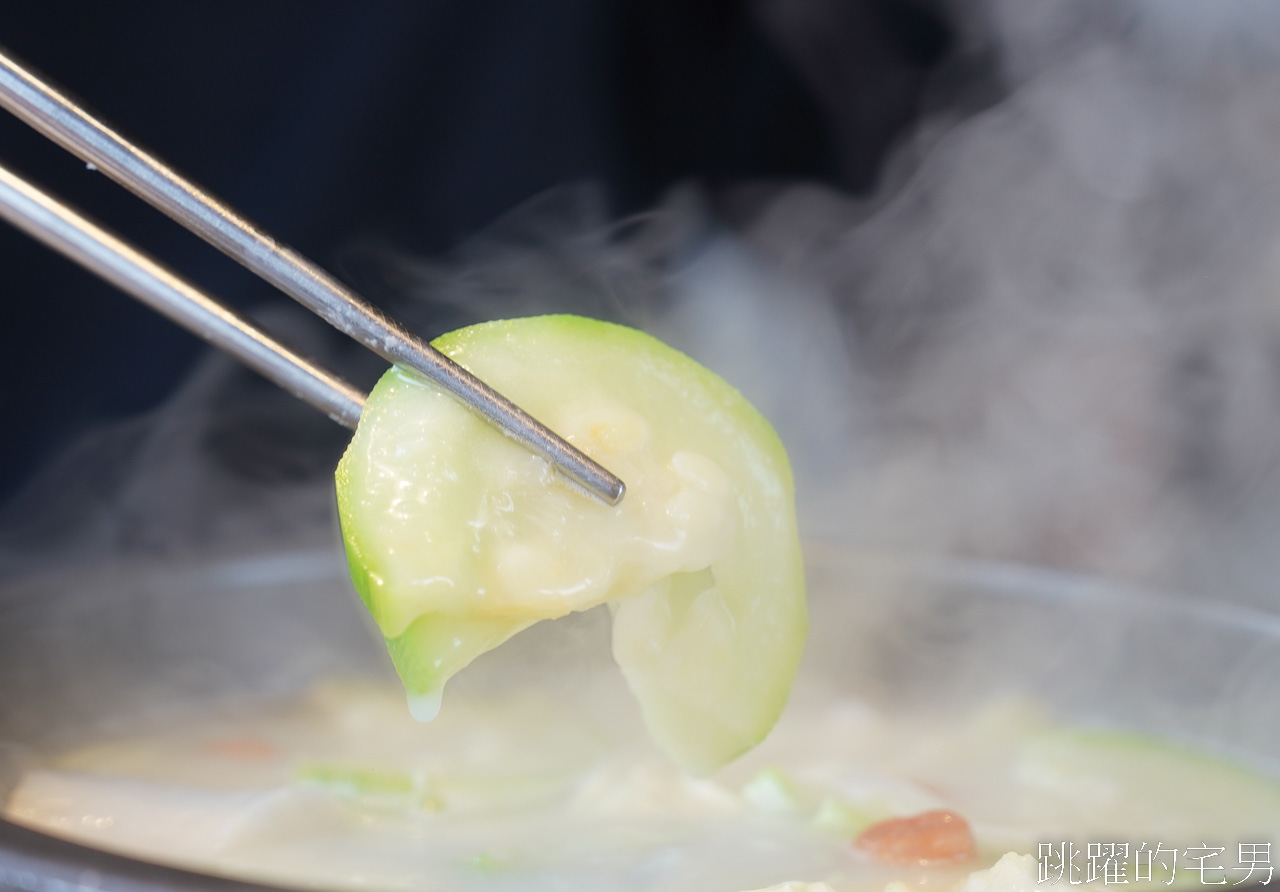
x: 458, y: 538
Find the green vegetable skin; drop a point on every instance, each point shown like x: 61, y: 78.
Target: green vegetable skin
x: 458, y: 538
x: 1169, y: 791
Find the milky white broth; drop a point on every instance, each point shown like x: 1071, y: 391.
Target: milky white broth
x: 525, y: 789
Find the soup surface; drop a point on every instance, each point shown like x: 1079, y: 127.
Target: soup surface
x: 526, y: 789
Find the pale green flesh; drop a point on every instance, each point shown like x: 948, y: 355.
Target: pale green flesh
x: 458, y: 538
x: 1137, y: 780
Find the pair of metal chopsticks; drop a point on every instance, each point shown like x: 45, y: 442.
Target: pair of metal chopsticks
x: 58, y: 226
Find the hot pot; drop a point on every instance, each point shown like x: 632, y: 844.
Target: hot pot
x: 100, y: 647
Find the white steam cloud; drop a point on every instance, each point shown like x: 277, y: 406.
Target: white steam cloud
x: 1053, y: 337
x: 1068, y: 313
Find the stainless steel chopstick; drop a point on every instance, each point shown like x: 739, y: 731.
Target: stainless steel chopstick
x: 58, y: 226
x: 57, y: 117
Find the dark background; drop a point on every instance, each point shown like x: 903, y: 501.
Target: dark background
x: 413, y: 124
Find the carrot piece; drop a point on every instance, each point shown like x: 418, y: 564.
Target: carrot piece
x: 929, y: 838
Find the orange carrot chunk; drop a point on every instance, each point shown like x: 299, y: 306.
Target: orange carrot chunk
x: 929, y: 838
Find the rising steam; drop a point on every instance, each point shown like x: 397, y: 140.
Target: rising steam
x: 1053, y: 336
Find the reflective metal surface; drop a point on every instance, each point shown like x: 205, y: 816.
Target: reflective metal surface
x: 63, y: 121
x: 62, y: 229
